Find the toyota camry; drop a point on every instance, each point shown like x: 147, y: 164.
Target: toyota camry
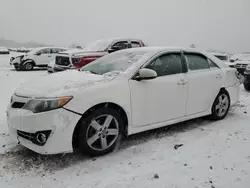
x: 123, y: 93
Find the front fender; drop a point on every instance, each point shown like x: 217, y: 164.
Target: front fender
x: 117, y: 93
x: 24, y: 61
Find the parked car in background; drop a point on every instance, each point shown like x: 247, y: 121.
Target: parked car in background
x: 234, y: 57
x: 80, y: 58
x: 247, y: 78
x: 53, y: 67
x: 39, y: 57
x: 223, y: 56
x: 23, y: 50
x: 4, y: 51
x: 123, y: 93
x: 242, y: 62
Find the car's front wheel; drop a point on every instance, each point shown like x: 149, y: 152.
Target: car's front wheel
x: 221, y: 106
x: 100, y: 132
x: 27, y: 66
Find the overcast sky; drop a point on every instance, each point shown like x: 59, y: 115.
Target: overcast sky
x: 217, y: 24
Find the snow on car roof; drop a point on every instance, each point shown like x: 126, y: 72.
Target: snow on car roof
x: 3, y: 48
x: 71, y: 51
x: 41, y: 48
x: 162, y: 48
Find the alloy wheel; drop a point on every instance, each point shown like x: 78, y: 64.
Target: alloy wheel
x: 102, y: 132
x: 222, y: 105
x: 28, y: 66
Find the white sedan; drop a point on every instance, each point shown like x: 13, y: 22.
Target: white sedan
x: 123, y: 93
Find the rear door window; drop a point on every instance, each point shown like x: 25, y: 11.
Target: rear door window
x: 56, y: 50
x: 196, y: 62
x: 45, y: 51
x: 121, y: 44
x: 135, y: 44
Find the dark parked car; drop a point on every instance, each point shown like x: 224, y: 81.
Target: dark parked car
x: 247, y: 78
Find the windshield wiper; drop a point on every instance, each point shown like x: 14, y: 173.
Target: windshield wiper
x: 93, y: 72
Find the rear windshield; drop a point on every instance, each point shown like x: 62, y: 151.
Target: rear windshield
x: 222, y: 57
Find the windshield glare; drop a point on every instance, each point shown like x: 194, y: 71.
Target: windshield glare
x: 115, y: 62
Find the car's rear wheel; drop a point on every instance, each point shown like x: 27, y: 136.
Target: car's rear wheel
x: 247, y: 86
x: 100, y: 132
x: 221, y: 106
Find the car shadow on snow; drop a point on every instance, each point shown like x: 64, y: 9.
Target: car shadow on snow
x: 33, y: 70
x: 22, y: 160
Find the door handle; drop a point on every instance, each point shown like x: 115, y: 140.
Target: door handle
x: 181, y: 82
x: 49, y: 56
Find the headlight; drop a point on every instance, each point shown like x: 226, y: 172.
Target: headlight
x: 42, y: 105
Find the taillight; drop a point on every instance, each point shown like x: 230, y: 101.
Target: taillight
x: 142, y: 44
x: 84, y: 61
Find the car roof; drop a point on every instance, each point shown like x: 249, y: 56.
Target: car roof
x: 120, y: 38
x: 41, y: 48
x: 164, y: 49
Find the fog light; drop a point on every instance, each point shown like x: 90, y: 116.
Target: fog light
x: 41, y: 138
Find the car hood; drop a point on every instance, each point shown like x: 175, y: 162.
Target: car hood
x: 81, y: 53
x: 89, y: 53
x: 243, y: 62
x: 61, y: 84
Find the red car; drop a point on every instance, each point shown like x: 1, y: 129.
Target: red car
x: 74, y: 59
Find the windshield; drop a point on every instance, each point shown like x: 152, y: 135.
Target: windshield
x: 100, y: 45
x: 34, y: 51
x: 116, y: 62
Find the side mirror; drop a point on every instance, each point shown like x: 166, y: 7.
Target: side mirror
x: 38, y: 53
x: 146, y: 74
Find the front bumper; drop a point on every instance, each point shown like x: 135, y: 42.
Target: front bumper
x: 241, y: 70
x: 15, y: 62
x: 50, y: 69
x: 247, y: 77
x: 60, y: 122
x: 60, y: 68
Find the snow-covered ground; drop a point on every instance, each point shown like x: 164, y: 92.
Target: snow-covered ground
x: 213, y: 154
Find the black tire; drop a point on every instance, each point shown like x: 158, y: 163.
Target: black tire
x: 17, y: 68
x: 247, y: 86
x: 216, y: 115
x: 27, y: 66
x: 86, y: 129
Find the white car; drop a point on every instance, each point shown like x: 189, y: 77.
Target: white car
x: 123, y: 93
x: 242, y: 62
x: 39, y: 57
